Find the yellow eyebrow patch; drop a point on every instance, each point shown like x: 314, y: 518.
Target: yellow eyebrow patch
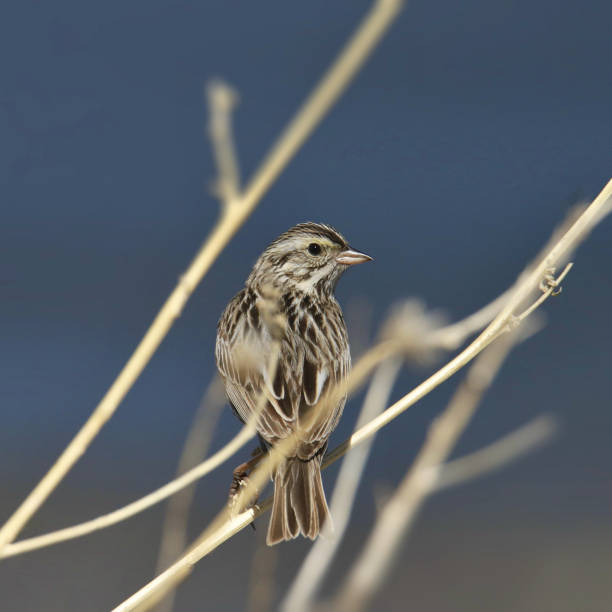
x: 323, y: 241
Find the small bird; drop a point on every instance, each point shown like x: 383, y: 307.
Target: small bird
x: 300, y: 269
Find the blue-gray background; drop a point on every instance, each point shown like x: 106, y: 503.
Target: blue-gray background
x: 462, y: 143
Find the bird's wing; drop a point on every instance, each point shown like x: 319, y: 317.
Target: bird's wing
x: 243, y: 353
x: 313, y: 363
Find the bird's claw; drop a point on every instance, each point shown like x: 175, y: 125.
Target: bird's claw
x: 240, y: 481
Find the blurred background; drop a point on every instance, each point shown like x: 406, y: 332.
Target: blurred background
x: 464, y: 141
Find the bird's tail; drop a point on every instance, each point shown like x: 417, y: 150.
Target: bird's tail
x: 299, y: 501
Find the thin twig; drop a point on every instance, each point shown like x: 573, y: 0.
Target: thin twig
x: 121, y: 514
x: 308, y: 580
x: 552, y: 288
x: 332, y: 85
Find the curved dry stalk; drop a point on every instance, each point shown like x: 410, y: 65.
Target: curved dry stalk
x: 400, y: 511
x: 225, y: 526
x: 173, y: 538
x: 234, y: 214
x: 312, y: 571
x: 121, y: 514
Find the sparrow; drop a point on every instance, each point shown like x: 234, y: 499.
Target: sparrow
x: 305, y: 397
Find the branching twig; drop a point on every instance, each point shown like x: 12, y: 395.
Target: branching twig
x: 452, y: 336
x: 233, y: 216
x: 549, y: 285
x: 136, y: 507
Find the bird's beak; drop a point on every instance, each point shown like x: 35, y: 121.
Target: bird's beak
x: 350, y: 257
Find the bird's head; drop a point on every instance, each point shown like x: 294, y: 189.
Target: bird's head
x: 310, y: 257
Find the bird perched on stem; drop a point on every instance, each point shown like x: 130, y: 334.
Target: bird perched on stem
x: 295, y: 277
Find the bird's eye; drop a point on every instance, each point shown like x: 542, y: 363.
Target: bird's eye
x: 314, y: 248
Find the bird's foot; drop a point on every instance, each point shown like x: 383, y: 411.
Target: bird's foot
x: 240, y: 482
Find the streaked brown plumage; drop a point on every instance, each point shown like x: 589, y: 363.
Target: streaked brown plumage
x: 301, y: 268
